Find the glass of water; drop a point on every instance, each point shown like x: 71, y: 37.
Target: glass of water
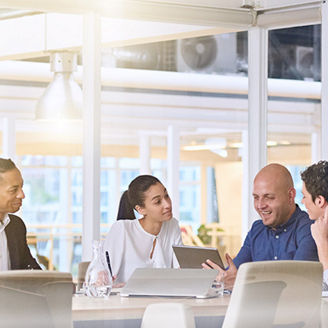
x: 219, y: 287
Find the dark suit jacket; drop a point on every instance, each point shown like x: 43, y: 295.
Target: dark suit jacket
x: 20, y: 255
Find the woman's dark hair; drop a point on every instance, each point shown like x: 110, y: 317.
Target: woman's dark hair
x: 125, y: 210
x: 138, y: 187
x: 315, y: 178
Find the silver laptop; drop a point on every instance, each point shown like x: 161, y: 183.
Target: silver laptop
x: 171, y: 282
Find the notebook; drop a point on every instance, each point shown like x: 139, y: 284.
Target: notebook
x: 193, y: 256
x: 171, y: 282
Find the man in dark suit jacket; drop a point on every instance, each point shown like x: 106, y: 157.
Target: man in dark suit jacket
x: 14, y: 252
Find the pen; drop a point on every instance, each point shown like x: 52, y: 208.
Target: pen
x: 108, y: 263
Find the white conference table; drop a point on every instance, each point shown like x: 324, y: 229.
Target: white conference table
x: 117, y: 311
x: 127, y: 312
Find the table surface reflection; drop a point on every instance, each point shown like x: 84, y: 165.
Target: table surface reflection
x: 116, y: 307
x: 130, y: 309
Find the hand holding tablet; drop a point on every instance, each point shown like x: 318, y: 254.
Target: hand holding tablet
x: 192, y: 257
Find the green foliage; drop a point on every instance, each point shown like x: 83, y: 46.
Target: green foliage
x: 203, y: 233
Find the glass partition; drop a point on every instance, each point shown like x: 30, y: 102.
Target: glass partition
x: 211, y: 119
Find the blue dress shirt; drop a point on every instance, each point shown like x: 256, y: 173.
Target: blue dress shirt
x: 290, y: 241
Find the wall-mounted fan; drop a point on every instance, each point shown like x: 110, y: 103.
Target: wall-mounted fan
x: 207, y: 54
x: 199, y: 53
x: 304, y: 61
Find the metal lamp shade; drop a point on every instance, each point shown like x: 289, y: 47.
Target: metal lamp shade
x: 61, y: 100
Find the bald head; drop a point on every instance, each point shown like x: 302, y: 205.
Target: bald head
x: 274, y: 195
x: 277, y: 174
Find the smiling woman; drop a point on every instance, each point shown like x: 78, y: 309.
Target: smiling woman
x: 146, y: 242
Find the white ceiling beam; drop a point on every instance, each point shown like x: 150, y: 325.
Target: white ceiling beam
x: 163, y: 80
x: 272, y: 13
x: 120, y: 32
x: 169, y: 12
x: 129, y: 137
x: 301, y: 15
x: 280, y: 4
x: 22, y: 35
x: 115, y: 124
x: 38, y: 35
x: 26, y: 97
x: 228, y: 126
x: 160, y: 116
x: 223, y: 4
x: 204, y: 102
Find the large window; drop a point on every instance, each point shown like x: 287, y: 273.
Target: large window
x: 295, y: 171
x: 190, y: 195
x: 294, y: 54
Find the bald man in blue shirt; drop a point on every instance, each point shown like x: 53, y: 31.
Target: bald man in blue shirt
x: 284, y: 231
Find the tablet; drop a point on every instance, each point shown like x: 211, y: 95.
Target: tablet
x: 192, y: 257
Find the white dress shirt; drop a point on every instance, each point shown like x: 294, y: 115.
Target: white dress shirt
x: 325, y: 280
x: 130, y: 246
x: 4, y: 253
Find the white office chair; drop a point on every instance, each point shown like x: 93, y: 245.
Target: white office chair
x: 276, y: 294
x: 19, y: 308
x: 164, y: 315
x: 324, y: 313
x: 50, y: 295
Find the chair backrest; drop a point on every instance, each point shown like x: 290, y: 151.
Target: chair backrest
x: 163, y: 315
x: 56, y: 289
x: 324, y: 313
x: 19, y: 308
x: 273, y: 293
x: 83, y: 267
x: 59, y: 300
x: 31, y: 280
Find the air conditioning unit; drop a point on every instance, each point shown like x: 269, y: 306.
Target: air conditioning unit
x: 208, y: 54
x: 304, y: 61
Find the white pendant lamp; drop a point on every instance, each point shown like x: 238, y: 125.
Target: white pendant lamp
x: 63, y: 97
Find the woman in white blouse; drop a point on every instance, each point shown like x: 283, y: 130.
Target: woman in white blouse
x: 145, y: 242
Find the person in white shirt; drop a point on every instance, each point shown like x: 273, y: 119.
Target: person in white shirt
x: 315, y: 199
x: 148, y: 241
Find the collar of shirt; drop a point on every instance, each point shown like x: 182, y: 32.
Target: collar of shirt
x: 284, y: 227
x: 139, y: 227
x: 4, y: 222
x: 4, y: 253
